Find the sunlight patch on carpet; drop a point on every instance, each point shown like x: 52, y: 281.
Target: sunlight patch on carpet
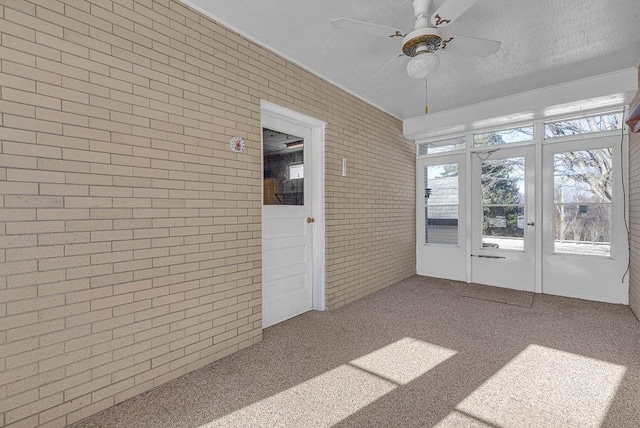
x: 404, y: 360
x: 337, y: 394
x: 458, y: 419
x: 543, y: 387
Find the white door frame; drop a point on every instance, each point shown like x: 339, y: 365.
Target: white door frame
x: 268, y: 111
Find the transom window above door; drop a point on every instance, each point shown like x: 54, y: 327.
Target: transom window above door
x: 442, y: 146
x: 583, y: 125
x: 505, y: 136
x: 606, y: 122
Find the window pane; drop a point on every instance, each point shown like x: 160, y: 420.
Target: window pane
x: 296, y: 171
x: 503, y: 187
x: 442, y: 225
x: 503, y: 181
x: 442, y: 146
x: 441, y: 184
x: 583, y: 195
x: 582, y: 229
x: 441, y: 204
x: 283, y: 168
x: 584, y: 125
x: 503, y: 227
x: 515, y: 135
x: 583, y: 176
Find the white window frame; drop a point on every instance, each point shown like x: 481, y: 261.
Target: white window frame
x: 295, y: 165
x: 619, y: 235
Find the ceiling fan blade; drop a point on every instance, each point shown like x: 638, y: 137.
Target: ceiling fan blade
x: 390, y: 66
x: 470, y: 46
x: 450, y: 11
x: 366, y: 27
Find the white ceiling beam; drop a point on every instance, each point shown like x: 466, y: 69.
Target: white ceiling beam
x: 598, y: 92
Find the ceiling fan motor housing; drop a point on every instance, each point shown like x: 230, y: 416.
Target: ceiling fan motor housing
x: 421, y: 40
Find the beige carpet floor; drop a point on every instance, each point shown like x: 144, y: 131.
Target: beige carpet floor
x: 416, y: 354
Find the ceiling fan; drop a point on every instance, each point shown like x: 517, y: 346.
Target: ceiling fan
x: 426, y: 38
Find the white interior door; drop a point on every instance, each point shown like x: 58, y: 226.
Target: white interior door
x: 287, y: 222
x: 503, y: 219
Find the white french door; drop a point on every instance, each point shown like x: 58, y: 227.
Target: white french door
x: 503, y: 243
x: 540, y: 207
x: 584, y: 236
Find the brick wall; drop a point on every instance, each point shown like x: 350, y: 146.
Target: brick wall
x: 634, y: 217
x: 129, y: 232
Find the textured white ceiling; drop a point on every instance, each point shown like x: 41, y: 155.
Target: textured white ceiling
x: 544, y: 42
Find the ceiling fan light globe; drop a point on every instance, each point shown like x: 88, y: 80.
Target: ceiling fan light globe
x: 423, y: 65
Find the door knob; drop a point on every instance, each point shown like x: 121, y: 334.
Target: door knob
x: 531, y: 224
x: 310, y: 219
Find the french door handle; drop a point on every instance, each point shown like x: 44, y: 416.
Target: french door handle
x: 531, y: 224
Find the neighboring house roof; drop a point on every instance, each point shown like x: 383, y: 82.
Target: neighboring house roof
x: 443, y: 200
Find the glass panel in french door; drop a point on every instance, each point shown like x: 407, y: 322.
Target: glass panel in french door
x: 441, y: 208
x: 503, y: 203
x: 583, y: 197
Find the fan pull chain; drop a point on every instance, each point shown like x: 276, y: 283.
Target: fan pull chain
x: 426, y: 92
